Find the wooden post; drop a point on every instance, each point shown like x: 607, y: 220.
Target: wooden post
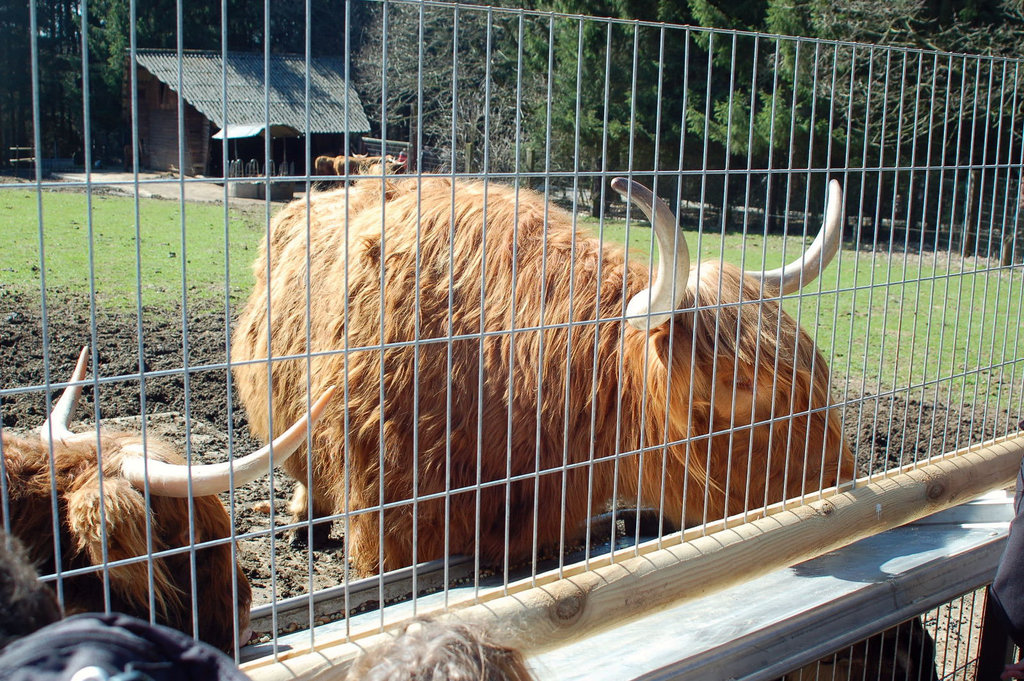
x: 539, y: 613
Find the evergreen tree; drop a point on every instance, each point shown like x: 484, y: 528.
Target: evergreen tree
x: 426, y: 74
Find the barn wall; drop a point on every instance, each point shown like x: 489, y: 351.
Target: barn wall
x: 158, y: 129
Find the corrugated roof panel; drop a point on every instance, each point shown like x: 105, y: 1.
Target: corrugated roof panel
x: 332, y: 103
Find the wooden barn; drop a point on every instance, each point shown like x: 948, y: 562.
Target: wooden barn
x: 241, y: 114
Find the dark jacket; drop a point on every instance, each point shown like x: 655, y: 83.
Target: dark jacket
x: 1007, y: 593
x: 96, y: 647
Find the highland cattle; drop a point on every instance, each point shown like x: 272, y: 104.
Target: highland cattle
x: 507, y: 376
x: 118, y: 498
x: 357, y: 164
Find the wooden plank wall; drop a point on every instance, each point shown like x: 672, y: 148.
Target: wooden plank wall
x: 158, y: 129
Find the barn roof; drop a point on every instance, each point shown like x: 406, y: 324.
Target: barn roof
x: 202, y: 87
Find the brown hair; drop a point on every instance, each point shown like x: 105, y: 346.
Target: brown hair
x: 80, y: 531
x: 26, y: 604
x: 429, y: 650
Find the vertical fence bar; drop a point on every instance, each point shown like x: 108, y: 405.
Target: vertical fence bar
x: 567, y: 383
x: 514, y: 277
x: 417, y: 332
x: 482, y: 396
x: 382, y: 322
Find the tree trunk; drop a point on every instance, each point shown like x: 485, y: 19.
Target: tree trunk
x: 970, y: 236
x: 1006, y: 256
x: 774, y: 203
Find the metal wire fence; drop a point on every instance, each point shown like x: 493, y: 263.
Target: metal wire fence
x: 942, y: 644
x: 501, y: 411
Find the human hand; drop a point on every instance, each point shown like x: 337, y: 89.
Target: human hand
x: 1013, y: 671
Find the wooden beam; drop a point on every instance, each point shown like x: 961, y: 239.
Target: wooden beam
x: 687, y: 565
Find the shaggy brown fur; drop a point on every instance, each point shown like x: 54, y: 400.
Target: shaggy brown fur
x: 76, y: 477
x: 522, y: 404
x: 323, y: 165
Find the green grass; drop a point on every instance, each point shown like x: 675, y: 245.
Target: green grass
x: 170, y: 267
x: 883, y: 322
x: 889, y: 322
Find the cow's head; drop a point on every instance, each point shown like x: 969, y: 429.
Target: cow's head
x: 732, y: 374
x: 118, y: 498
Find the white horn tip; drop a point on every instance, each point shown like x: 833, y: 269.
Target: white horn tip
x: 55, y: 427
x: 835, y: 191
x: 318, y: 407
x: 833, y: 185
x: 82, y: 365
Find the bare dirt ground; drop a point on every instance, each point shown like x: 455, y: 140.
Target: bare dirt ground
x: 158, y: 185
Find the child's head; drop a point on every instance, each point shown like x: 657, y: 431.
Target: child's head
x: 440, y: 651
x: 26, y: 604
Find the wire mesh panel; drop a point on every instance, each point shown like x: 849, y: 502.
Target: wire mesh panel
x: 576, y: 284
x: 941, y: 644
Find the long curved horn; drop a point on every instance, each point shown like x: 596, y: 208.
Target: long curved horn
x: 171, y: 480
x: 658, y: 301
x: 56, y: 424
x: 818, y: 255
